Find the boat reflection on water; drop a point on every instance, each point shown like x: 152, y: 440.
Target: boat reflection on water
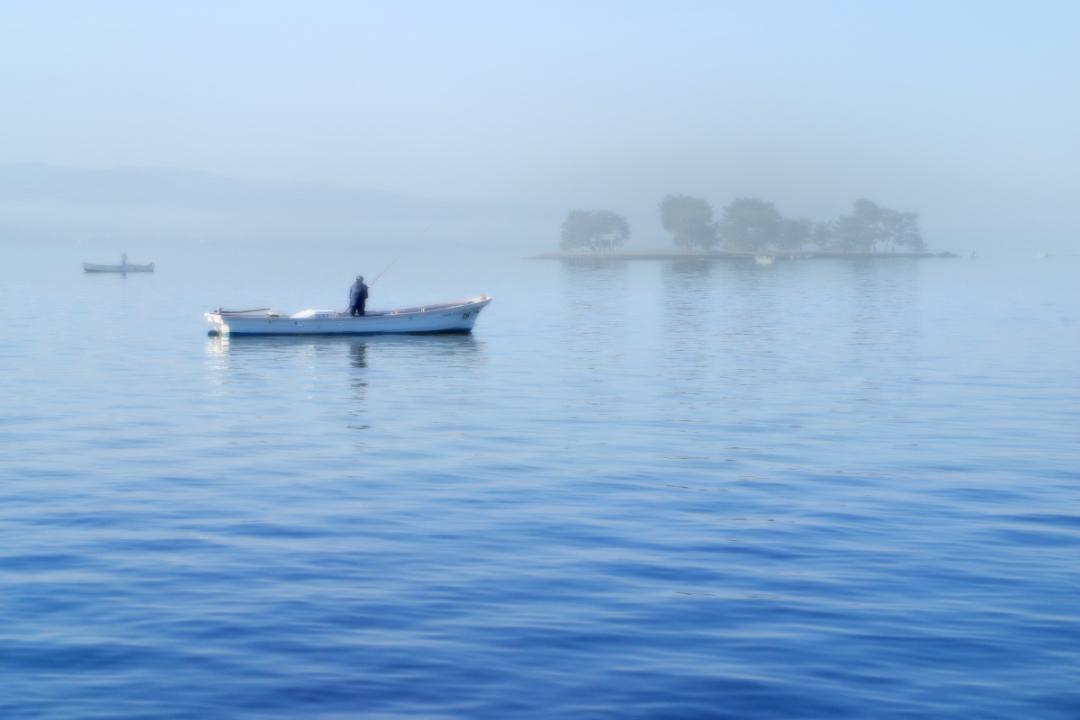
x: 343, y: 376
x: 452, y: 349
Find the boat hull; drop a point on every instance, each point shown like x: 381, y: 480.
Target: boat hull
x: 455, y: 317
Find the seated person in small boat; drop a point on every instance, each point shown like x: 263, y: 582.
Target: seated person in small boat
x: 358, y: 296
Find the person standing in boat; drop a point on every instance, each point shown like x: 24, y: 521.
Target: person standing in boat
x: 358, y: 296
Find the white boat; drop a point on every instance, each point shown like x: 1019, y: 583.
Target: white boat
x: 123, y: 267
x: 763, y: 259
x: 451, y: 317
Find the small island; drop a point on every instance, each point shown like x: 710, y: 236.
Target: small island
x: 749, y: 228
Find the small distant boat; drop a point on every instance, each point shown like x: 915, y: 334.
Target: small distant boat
x: 451, y: 317
x: 123, y: 267
x: 763, y: 259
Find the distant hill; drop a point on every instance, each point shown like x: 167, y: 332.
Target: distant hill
x: 173, y: 188
x: 46, y: 202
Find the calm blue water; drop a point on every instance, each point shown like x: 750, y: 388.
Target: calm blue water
x: 814, y: 490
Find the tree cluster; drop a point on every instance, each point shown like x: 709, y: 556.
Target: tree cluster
x: 752, y: 225
x: 690, y: 222
x: 871, y: 228
x: 594, y: 230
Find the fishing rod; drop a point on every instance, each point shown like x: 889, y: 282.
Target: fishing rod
x: 385, y: 269
x: 400, y: 255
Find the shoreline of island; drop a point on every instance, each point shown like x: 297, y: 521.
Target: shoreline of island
x: 738, y: 256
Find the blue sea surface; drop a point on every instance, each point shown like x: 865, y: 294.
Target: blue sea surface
x: 670, y: 489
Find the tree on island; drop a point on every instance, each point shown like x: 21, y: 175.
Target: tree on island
x: 751, y: 225
x: 822, y: 235
x: 594, y: 230
x: 690, y: 222
x: 794, y: 234
x: 871, y: 228
x: 903, y: 231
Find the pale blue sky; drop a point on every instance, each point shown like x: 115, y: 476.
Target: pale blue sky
x: 967, y: 111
